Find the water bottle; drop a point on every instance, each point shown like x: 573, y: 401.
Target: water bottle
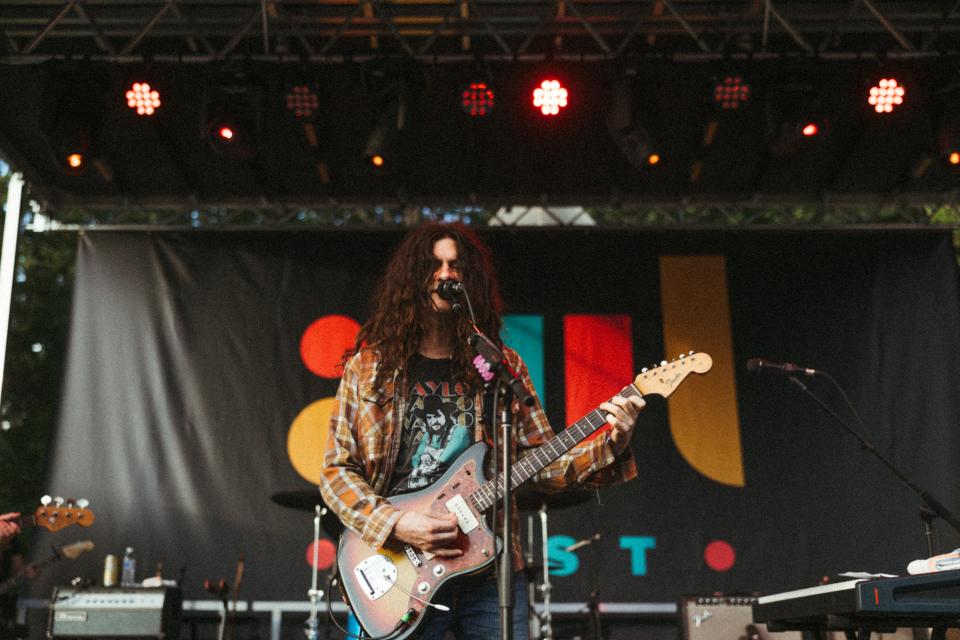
x: 128, y: 576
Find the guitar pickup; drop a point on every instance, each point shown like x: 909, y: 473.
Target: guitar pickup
x: 465, y: 518
x: 412, y: 555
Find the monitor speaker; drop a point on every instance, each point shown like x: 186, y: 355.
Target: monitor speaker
x: 720, y: 617
x: 114, y: 613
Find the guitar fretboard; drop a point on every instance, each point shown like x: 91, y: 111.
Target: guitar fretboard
x: 492, y: 490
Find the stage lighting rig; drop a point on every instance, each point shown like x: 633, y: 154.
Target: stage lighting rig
x: 731, y: 92
x: 625, y: 127
x: 477, y: 99
x: 231, y: 118
x: 886, y: 95
x: 142, y: 98
x: 550, y: 96
x: 302, y: 100
x: 384, y: 143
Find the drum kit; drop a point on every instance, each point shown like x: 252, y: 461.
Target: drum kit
x: 537, y: 507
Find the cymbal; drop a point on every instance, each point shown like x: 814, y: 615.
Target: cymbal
x: 307, y: 500
x: 532, y: 500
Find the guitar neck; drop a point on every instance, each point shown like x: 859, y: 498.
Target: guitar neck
x: 533, y: 463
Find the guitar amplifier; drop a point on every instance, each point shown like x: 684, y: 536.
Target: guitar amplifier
x: 720, y: 617
x: 114, y: 613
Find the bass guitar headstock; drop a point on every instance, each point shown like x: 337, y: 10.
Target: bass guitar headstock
x: 54, y: 514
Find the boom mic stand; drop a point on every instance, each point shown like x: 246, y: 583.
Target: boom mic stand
x: 931, y: 505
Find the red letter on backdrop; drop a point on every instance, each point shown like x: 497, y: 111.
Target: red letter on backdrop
x: 598, y: 360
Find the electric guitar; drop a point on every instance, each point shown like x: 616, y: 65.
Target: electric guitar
x: 70, y: 551
x: 389, y: 588
x: 54, y: 514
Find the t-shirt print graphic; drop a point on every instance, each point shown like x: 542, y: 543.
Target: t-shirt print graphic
x: 442, y: 437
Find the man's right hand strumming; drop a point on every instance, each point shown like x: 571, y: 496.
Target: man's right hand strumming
x: 429, y: 532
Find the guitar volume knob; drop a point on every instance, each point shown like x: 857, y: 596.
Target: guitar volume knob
x: 439, y: 570
x: 423, y: 587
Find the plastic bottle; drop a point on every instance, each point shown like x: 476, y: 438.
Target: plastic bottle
x: 128, y: 577
x: 942, y: 562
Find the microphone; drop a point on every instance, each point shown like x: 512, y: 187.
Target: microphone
x: 450, y: 290
x: 759, y: 365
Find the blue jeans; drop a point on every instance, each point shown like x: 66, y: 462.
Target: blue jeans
x: 475, y: 610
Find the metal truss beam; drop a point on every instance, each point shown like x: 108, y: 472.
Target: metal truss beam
x: 53, y: 29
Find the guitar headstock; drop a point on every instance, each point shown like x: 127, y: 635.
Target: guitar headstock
x: 76, y: 549
x: 667, y: 376
x: 54, y: 514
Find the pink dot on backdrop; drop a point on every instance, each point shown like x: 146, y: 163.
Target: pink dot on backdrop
x: 325, y: 553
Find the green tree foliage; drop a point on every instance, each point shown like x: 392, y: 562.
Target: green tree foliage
x: 34, y: 364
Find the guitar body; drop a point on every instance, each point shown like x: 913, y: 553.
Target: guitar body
x: 377, y: 582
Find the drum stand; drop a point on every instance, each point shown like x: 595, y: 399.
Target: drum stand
x: 311, y: 628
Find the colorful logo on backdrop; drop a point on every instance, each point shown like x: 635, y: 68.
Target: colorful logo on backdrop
x: 597, y: 360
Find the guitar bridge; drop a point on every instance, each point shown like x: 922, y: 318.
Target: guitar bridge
x: 378, y: 574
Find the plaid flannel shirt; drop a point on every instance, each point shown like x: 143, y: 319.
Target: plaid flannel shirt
x: 364, y: 442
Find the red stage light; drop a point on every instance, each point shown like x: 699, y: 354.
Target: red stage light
x: 731, y: 92
x: 954, y: 158
x: 142, y: 99
x: 810, y: 129
x: 226, y: 133
x: 302, y: 101
x: 75, y: 160
x: 887, y: 95
x: 550, y: 97
x: 477, y: 99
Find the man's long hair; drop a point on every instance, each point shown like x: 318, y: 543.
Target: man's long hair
x: 401, y: 303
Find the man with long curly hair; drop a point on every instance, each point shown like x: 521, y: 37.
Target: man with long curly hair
x: 410, y: 402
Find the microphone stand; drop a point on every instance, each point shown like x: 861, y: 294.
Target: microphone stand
x: 492, y: 366
x: 932, y: 505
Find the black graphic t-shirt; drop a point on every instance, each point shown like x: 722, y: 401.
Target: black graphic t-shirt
x: 437, y: 428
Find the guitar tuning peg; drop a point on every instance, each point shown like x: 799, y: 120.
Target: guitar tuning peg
x: 83, y: 503
x: 682, y: 356
x: 663, y: 363
x: 45, y: 500
x: 70, y: 502
x: 691, y: 352
x: 58, y: 501
x: 644, y: 370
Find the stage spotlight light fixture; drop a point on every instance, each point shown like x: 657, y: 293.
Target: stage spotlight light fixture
x: 810, y: 130
x: 226, y: 132
x: 653, y: 159
x: 302, y: 100
x: 477, y: 99
x: 954, y: 158
x: 142, y: 98
x: 886, y: 95
x: 550, y: 97
x: 377, y: 160
x: 75, y: 161
x: 731, y: 92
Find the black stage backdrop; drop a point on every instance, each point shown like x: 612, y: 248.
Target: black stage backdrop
x: 184, y: 376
